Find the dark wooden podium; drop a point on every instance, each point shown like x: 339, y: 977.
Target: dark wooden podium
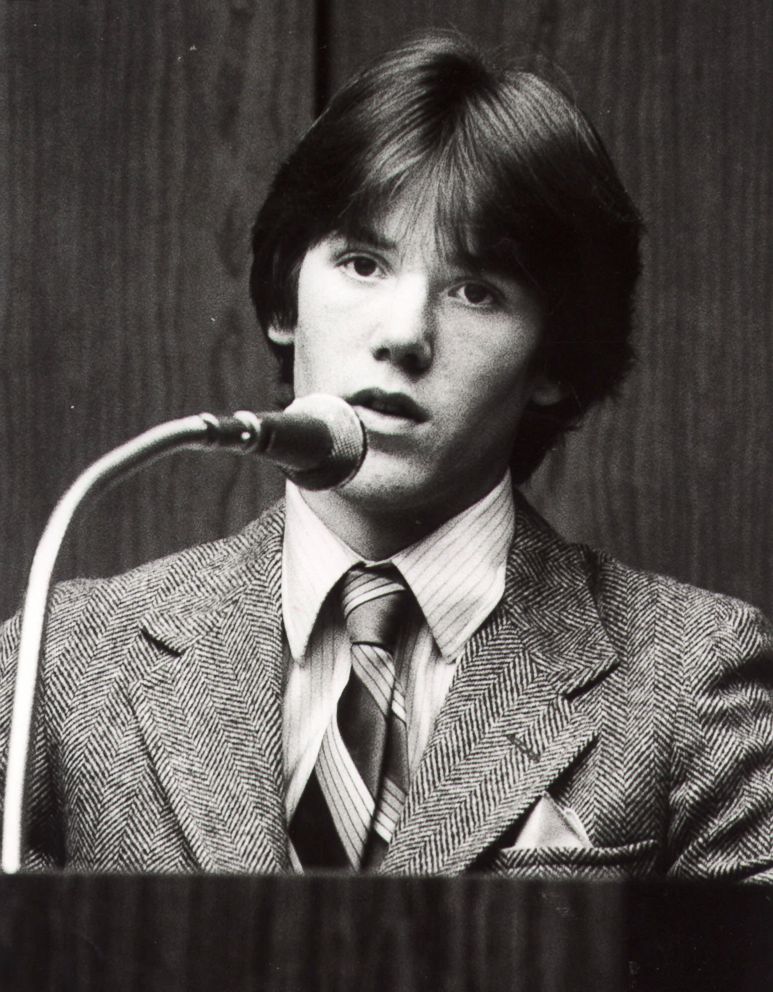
x: 87, y: 932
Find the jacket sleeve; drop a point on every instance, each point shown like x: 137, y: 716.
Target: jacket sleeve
x: 721, y: 792
x: 44, y: 843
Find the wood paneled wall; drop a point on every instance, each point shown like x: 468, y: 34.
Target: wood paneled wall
x: 137, y: 140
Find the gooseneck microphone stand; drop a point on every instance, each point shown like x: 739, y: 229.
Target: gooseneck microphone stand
x: 242, y: 432
x: 319, y: 442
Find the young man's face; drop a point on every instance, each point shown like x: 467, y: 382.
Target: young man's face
x: 437, y: 360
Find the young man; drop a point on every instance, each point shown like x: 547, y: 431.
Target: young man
x: 413, y: 673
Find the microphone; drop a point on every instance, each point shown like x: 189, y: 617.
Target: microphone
x: 319, y: 442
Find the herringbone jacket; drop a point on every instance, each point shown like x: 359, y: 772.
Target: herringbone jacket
x: 642, y: 704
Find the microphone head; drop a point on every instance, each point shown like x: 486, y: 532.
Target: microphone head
x: 346, y: 451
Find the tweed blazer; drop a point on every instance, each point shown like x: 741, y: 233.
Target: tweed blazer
x: 643, y: 704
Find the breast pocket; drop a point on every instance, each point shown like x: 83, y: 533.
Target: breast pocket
x: 625, y: 861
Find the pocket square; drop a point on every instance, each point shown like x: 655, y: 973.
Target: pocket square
x: 551, y: 825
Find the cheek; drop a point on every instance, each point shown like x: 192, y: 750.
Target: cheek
x: 508, y: 388
x: 311, y: 333
x: 496, y: 380
x: 510, y: 375
x: 319, y: 357
x: 310, y: 371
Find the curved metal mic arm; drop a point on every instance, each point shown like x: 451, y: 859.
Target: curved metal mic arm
x: 241, y: 431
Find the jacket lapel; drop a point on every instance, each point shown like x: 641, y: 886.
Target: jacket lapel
x: 209, y: 703
x: 208, y: 699
x: 516, y: 716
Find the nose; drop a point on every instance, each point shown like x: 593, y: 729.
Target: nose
x: 404, y: 332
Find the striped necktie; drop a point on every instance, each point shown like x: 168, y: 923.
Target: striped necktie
x: 347, y: 812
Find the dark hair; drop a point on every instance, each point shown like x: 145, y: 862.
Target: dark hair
x: 521, y: 183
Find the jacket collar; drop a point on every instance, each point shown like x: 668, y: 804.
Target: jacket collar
x: 517, y: 714
x: 209, y: 701
x: 239, y: 569
x: 515, y: 717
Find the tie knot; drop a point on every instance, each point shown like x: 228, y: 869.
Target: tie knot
x: 373, y: 600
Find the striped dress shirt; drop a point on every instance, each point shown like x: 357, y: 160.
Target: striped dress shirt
x: 457, y: 577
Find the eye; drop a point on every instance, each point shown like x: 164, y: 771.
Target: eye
x: 360, y: 266
x: 476, y: 294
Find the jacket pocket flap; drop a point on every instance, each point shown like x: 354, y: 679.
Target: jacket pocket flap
x: 557, y: 862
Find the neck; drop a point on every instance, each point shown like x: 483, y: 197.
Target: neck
x: 374, y: 537
x: 379, y: 533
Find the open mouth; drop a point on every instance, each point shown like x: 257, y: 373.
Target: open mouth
x: 396, y: 405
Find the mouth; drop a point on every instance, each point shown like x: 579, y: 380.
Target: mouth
x: 386, y: 404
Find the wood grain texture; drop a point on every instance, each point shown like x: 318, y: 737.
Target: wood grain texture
x: 338, y: 934
x: 136, y: 146
x: 138, y: 142
x: 677, y: 475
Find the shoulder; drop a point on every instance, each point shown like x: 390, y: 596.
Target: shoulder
x: 194, y: 566
x: 641, y: 611
x: 89, y: 609
x: 683, y: 621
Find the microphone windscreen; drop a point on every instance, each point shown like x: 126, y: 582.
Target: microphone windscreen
x: 338, y: 457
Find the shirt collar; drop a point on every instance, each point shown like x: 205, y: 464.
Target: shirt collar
x: 457, y: 573
x: 313, y: 560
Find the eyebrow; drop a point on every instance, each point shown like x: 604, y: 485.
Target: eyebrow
x: 368, y: 236
x: 473, y: 264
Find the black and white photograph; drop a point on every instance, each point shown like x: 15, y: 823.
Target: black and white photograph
x: 385, y: 495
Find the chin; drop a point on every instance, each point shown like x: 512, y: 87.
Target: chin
x: 386, y: 489
x: 413, y: 500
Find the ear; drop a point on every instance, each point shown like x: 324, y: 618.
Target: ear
x: 546, y: 391
x: 281, y: 335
